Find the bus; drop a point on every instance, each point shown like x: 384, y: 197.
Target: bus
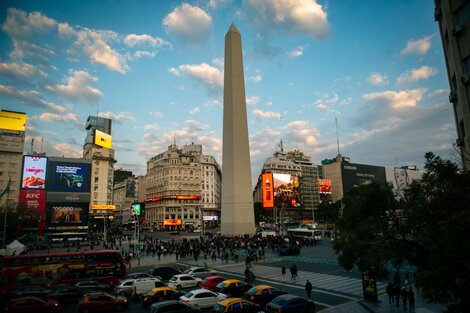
x: 305, y: 232
x: 51, y: 269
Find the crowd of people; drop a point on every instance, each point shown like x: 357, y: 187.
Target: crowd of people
x: 405, y: 294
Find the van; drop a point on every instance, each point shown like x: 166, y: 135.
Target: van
x: 142, y: 285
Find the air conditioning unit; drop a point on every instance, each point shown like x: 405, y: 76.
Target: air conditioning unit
x: 457, y: 30
x: 465, y: 79
x: 459, y: 142
x: 452, y: 97
x: 437, y: 14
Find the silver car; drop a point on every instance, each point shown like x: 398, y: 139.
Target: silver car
x: 124, y: 287
x: 200, y: 272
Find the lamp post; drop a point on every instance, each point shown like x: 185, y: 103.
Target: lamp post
x: 7, y: 191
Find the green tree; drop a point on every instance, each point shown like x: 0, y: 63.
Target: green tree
x: 328, y: 212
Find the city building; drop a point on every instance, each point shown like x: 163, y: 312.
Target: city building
x: 12, y: 139
x: 124, y: 194
x: 295, y: 176
x: 121, y: 175
x: 97, y: 148
x: 181, y: 184
x: 453, y: 19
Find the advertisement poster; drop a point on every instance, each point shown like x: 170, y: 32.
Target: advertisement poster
x: 268, y: 190
x: 34, y: 172
x: 324, y: 186
x: 35, y: 200
x: 286, y: 190
x: 68, y: 177
x: 13, y: 120
x: 369, y: 287
x: 66, y: 215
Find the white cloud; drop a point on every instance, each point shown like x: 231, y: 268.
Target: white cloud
x: 263, y: 115
x: 377, y: 79
x: 416, y: 74
x: 214, y: 4
x: 78, y: 87
x: 156, y: 114
x: 53, y: 117
x: 438, y: 92
x: 295, y: 53
x: 347, y: 101
x: 67, y: 150
x: 65, y: 29
x: 132, y: 40
x: 256, y: 79
x: 189, y: 23
x: 326, y: 102
x: 118, y: 117
x: 151, y: 127
x: 295, y: 124
x: 252, y: 100
x: 210, y: 77
x: 417, y: 47
x: 396, y: 99
x: 19, y: 70
x: 195, y: 111
x: 291, y: 15
x: 30, y: 97
x: 20, y: 24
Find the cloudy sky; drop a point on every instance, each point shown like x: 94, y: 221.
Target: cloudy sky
x: 156, y: 69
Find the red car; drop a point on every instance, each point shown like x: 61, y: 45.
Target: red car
x: 32, y: 304
x: 211, y: 281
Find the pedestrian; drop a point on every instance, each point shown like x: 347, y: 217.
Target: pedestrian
x: 296, y: 271
x: 411, y: 299
x: 283, y: 272
x: 390, y: 294
x: 308, y: 289
x: 396, y: 293
x: 404, y: 298
x: 292, y: 275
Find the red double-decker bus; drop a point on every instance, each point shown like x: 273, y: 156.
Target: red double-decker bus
x: 62, y: 267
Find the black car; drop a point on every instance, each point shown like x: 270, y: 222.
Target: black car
x: 289, y: 250
x: 289, y: 303
x: 93, y: 285
x: 173, y: 306
x: 66, y: 293
x: 263, y: 294
x: 32, y: 290
x: 164, y: 272
x: 232, y: 287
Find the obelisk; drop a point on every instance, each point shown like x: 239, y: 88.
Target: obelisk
x: 237, y: 216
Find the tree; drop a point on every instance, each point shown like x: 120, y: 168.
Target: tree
x: 328, y: 212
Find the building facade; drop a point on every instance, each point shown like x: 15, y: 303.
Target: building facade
x: 180, y: 185
x: 453, y: 19
x: 125, y: 193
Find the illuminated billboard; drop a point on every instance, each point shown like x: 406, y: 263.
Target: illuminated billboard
x: 136, y: 209
x: 172, y: 222
x: 67, y: 214
x: 103, y: 207
x: 324, y: 186
x: 13, y: 120
x: 68, y: 176
x: 286, y: 191
x: 35, y: 200
x: 103, y: 140
x: 268, y: 190
x: 34, y: 172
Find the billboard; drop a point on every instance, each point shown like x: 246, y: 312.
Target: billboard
x: 68, y: 176
x: 360, y: 174
x: 268, y: 190
x: 35, y: 200
x: 172, y: 222
x: 102, y: 139
x: 103, y: 207
x: 136, y: 209
x: 66, y: 214
x: 13, y: 120
x: 286, y: 191
x: 34, y: 172
x: 324, y: 186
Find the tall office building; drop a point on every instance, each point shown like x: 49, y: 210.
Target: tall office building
x: 453, y: 18
x: 102, y: 173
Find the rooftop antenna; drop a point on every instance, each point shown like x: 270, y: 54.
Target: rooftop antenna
x: 174, y: 138
x: 96, y: 113
x: 337, y: 136
x: 42, y: 141
x: 32, y: 145
x: 281, y: 146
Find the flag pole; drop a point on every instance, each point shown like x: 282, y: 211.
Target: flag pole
x: 7, y: 191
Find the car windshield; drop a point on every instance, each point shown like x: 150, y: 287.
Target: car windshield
x: 218, y: 308
x: 222, y: 285
x: 189, y: 295
x: 252, y: 291
x: 279, y: 301
x: 174, y: 279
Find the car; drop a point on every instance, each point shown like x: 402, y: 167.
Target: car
x: 173, y: 306
x: 66, y: 293
x: 289, y: 303
x: 184, y: 281
x: 262, y: 294
x: 101, y: 301
x: 138, y: 275
x: 203, y: 298
x: 200, y: 272
x: 143, y: 285
x: 232, y: 287
x: 212, y: 281
x: 124, y: 287
x: 236, y: 305
x: 160, y: 294
x: 28, y: 304
x: 32, y: 290
x: 164, y: 273
x: 92, y: 285
x: 197, y: 230
x: 289, y: 249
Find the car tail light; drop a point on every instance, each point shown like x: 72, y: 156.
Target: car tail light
x: 146, y: 299
x: 252, y: 297
x: 185, y: 301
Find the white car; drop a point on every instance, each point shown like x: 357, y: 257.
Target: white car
x: 184, y: 281
x: 203, y: 298
x: 200, y: 272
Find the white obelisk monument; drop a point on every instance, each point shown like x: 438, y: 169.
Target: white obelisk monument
x: 237, y: 200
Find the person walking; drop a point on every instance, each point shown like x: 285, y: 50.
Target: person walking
x: 308, y: 289
x: 404, y: 298
x: 283, y: 272
x: 390, y: 294
x: 411, y: 299
x: 296, y: 271
x: 292, y: 275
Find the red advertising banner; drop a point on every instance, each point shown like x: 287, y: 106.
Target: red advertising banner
x: 324, y: 186
x: 35, y: 200
x: 268, y: 190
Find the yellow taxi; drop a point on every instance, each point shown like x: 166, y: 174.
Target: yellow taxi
x: 160, y: 294
x: 236, y: 305
x: 232, y: 287
x: 262, y: 294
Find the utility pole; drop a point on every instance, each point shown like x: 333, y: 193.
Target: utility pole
x: 7, y: 191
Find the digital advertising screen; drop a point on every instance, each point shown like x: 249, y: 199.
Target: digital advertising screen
x: 67, y: 214
x: 13, y: 120
x: 103, y: 140
x: 68, y: 177
x: 172, y: 222
x: 286, y: 191
x: 268, y: 190
x: 324, y: 186
x: 34, y: 172
x: 359, y: 174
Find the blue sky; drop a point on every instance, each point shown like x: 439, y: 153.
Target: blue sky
x: 156, y: 69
